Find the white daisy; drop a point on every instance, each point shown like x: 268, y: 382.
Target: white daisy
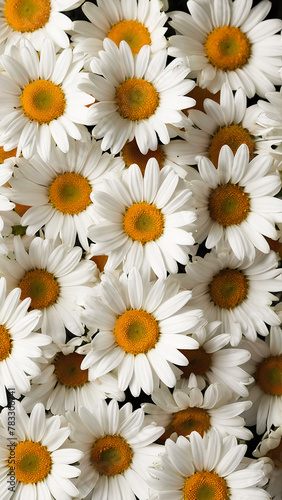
x: 64, y: 386
x: 55, y: 278
x: 59, y: 190
x: 270, y: 119
x: 141, y: 326
x: 118, y: 447
x: 138, y: 22
x: 7, y: 161
x: 235, y: 202
x: 210, y: 467
x: 229, y: 41
x: 41, y: 104
x: 35, y: 20
x: 185, y: 411
x: 19, y: 344
x: 138, y: 96
x: 36, y: 456
x: 271, y: 447
x: 145, y: 221
x: 236, y: 292
x: 12, y: 227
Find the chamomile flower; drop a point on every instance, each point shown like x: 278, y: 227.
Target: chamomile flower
x: 55, y: 278
x: 35, y: 20
x: 12, y: 227
x: 139, y: 96
x: 211, y: 467
x: 118, y: 447
x: 41, y: 104
x: 271, y: 447
x: 235, y: 202
x: 270, y: 119
x: 38, y: 458
x: 139, y: 23
x: 229, y: 41
x: 145, y: 222
x: 236, y: 292
x: 185, y: 411
x: 59, y: 190
x: 141, y: 326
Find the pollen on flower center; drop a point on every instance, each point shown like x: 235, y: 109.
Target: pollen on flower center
x: 136, y: 331
x: 228, y: 288
x: 111, y: 455
x: 233, y: 136
x: 32, y: 462
x: 227, y: 48
x: 228, y: 204
x: 205, y: 485
x: 68, y: 371
x: 133, y: 32
x: 70, y: 193
x: 27, y: 15
x: 41, y: 286
x: 199, y: 362
x: 132, y: 154
x: 143, y: 222
x: 5, y: 343
x: 269, y: 375
x: 43, y: 101
x: 191, y: 419
x: 136, y: 99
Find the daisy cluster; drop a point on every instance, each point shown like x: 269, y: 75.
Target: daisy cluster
x: 140, y: 250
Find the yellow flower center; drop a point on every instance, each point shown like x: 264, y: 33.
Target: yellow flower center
x: 136, y: 331
x: 228, y: 288
x: 233, y: 136
x: 27, y: 15
x: 70, y: 193
x: 5, y: 343
x: 269, y: 375
x: 227, y: 48
x: 32, y: 462
x: 228, y: 204
x: 111, y: 455
x: 276, y: 455
x: 199, y: 362
x: 7, y: 154
x: 133, y: 32
x: 143, y: 222
x: 131, y: 154
x: 68, y: 371
x: 41, y: 286
x: 205, y: 485
x: 43, y: 101
x: 136, y: 99
x: 185, y: 421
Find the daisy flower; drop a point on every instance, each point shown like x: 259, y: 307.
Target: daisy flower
x: 145, y: 221
x: 211, y: 467
x: 185, y: 411
x: 59, y: 190
x: 229, y: 41
x: 270, y: 119
x: 271, y: 447
x: 236, y: 292
x: 7, y: 160
x: 64, y: 386
x: 118, y: 447
x: 36, y: 456
x: 266, y: 393
x: 141, y: 326
x: 35, y: 20
x: 229, y: 122
x: 235, y: 202
x: 139, y: 23
x: 12, y: 227
x: 55, y: 278
x: 19, y: 344
x: 41, y: 104
x: 139, y: 96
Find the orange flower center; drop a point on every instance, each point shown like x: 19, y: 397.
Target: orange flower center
x: 269, y: 375
x: 136, y: 331
x: 205, y: 485
x: 27, y: 15
x: 41, y: 286
x: 70, y: 193
x: 111, y: 455
x: 43, y: 101
x: 133, y: 32
x: 143, y: 222
x: 228, y: 288
x: 131, y: 154
x: 233, y: 136
x: 32, y: 462
x: 136, y: 99
x: 228, y: 204
x: 227, y: 48
x: 100, y: 261
x: 5, y: 343
x: 68, y: 371
x: 7, y: 154
x: 199, y: 362
x: 185, y: 421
